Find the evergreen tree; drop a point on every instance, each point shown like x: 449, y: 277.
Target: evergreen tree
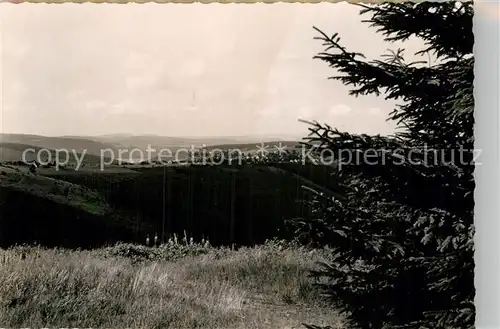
x: 403, y: 234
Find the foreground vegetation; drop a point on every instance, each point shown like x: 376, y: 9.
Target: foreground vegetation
x: 178, y: 285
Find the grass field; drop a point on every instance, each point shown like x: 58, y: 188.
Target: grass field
x: 178, y: 285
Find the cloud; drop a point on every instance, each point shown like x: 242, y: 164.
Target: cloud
x: 193, y: 67
x: 137, y: 61
x: 305, y: 112
x: 339, y: 109
x: 375, y: 111
x: 92, y: 105
x: 268, y: 112
x: 192, y: 108
x: 273, y: 91
x: 118, y: 108
x: 249, y: 91
x: 75, y: 94
x: 139, y: 67
x: 288, y: 56
x: 141, y: 82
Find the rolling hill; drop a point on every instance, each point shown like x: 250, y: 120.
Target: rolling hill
x: 13, y: 152
x: 127, y: 147
x: 242, y: 205
x: 54, y: 212
x: 174, y: 143
x: 92, y: 147
x: 248, y: 147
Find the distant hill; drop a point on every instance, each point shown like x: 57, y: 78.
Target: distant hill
x: 157, y: 142
x: 93, y: 147
x: 271, y: 146
x: 10, y: 152
x: 12, y: 145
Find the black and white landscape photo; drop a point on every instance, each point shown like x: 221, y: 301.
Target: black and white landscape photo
x: 237, y: 166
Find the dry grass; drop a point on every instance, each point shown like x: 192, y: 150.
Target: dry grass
x: 261, y: 287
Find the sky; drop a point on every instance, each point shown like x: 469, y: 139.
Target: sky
x: 182, y: 69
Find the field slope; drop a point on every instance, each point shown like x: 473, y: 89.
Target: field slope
x: 54, y: 212
x: 127, y: 286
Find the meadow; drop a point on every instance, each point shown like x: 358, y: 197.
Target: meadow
x: 181, y: 284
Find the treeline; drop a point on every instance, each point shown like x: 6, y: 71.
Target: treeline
x: 241, y: 205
